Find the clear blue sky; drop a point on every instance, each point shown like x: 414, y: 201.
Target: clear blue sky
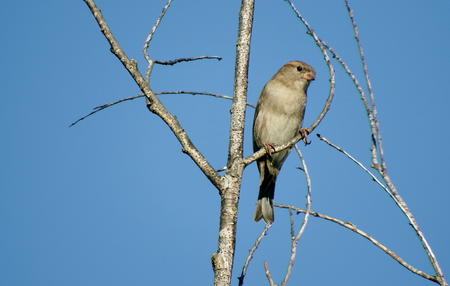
x: 114, y: 201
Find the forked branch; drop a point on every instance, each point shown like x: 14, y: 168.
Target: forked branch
x: 154, y: 105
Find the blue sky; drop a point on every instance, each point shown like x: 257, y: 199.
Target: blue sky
x: 114, y: 201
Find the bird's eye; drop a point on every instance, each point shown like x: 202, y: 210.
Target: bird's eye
x: 299, y: 68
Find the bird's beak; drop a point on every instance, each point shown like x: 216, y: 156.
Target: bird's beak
x: 310, y: 76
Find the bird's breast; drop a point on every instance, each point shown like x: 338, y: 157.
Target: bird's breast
x: 279, y: 116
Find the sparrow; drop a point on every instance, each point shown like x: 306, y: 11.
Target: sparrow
x: 278, y: 119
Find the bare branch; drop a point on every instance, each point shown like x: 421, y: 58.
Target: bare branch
x: 377, y: 135
x: 378, y: 244
x: 149, y: 39
x: 154, y: 105
x: 261, y: 152
x: 391, y: 191
x: 153, y: 30
x: 374, y: 178
x: 269, y: 277
x: 176, y: 61
x: 382, y: 169
x: 232, y: 179
x: 148, y: 72
x: 295, y: 239
x: 251, y: 252
x: 361, y: 92
x: 199, y: 93
x: 106, y: 105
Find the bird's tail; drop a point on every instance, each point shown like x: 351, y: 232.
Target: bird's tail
x: 264, y: 204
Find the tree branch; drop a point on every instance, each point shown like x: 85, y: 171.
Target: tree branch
x: 377, y: 134
x: 295, y: 239
x: 252, y: 251
x: 176, y: 61
x: 223, y: 259
x: 154, y: 105
x: 382, y: 168
x: 374, y: 178
x: 149, y: 39
x: 378, y: 244
x: 261, y: 152
x: 106, y: 105
x: 395, y: 196
x: 359, y: 88
x: 269, y: 277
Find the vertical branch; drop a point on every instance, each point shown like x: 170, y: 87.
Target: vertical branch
x: 269, y: 277
x: 240, y: 82
x: 376, y: 135
x: 223, y: 259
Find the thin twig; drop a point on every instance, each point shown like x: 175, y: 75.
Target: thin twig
x: 360, y: 91
x: 153, y: 30
x: 106, y: 105
x: 374, y: 178
x: 149, y: 71
x: 372, y: 122
x: 149, y: 38
x: 353, y: 228
x: 176, y: 61
x: 252, y: 252
x: 376, y: 137
x: 269, y: 277
x: 295, y: 239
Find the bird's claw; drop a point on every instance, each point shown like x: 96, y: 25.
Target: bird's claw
x: 269, y: 149
x: 305, y: 133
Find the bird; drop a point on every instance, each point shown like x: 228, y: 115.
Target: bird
x: 278, y: 119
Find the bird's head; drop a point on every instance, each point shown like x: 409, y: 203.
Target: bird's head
x: 296, y: 73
